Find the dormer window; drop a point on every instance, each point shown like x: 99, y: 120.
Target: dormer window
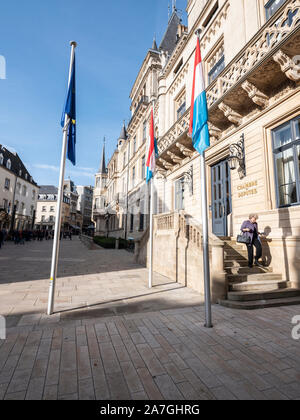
x: 8, y: 164
x: 1, y: 159
x: 26, y: 176
x: 20, y: 172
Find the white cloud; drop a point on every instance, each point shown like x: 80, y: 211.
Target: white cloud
x: 84, y: 172
x: 47, y: 167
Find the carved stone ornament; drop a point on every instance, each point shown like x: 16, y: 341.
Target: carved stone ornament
x: 289, y: 66
x: 229, y: 113
x: 255, y: 94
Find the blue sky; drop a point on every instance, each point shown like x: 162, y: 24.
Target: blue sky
x: 113, y: 38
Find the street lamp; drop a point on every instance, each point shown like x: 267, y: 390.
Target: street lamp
x: 236, y: 159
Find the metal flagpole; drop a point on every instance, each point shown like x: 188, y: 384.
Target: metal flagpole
x: 206, y: 267
x: 151, y: 235
x: 151, y: 221
x: 56, y: 241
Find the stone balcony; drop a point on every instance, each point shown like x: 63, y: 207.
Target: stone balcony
x: 265, y: 68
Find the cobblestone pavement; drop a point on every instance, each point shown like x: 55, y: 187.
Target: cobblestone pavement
x: 150, y: 346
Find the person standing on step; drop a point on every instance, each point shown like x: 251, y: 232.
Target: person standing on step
x: 250, y: 229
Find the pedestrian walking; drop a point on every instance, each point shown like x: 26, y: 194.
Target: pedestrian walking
x: 250, y: 230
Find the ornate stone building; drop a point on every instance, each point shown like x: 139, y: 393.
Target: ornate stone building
x: 250, y: 53
x: 18, y: 192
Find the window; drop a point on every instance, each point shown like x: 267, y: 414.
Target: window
x: 8, y: 164
x: 179, y: 194
x: 33, y: 194
x: 51, y: 219
x: 133, y: 176
x: 124, y: 160
x: 178, y: 67
x: 272, y: 6
x: 43, y: 218
x: 52, y: 209
x: 24, y: 190
x: 145, y: 131
x: 134, y: 146
x: 131, y: 222
x: 22, y: 208
x: 211, y: 15
x: 5, y: 204
x: 180, y: 105
x: 7, y: 183
x: 141, y: 224
x: 286, y: 148
x: 17, y: 205
x: 44, y: 209
x: 181, y: 110
x: 143, y: 167
x: 1, y: 159
x: 31, y: 210
x: 216, y: 70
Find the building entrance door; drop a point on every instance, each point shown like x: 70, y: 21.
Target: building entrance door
x: 221, y: 197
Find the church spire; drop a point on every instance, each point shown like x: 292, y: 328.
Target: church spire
x: 154, y: 45
x: 123, y: 134
x: 102, y: 169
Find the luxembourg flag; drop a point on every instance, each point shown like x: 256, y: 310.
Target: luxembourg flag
x: 199, y: 113
x: 152, y: 152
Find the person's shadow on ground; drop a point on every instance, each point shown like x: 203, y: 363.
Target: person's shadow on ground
x: 267, y: 257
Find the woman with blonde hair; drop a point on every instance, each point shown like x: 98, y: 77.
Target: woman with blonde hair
x: 250, y: 229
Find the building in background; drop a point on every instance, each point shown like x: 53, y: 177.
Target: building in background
x: 18, y: 192
x: 85, y: 205
x: 121, y: 204
x: 252, y: 80
x: 99, y: 197
x: 76, y: 217
x: 46, y: 209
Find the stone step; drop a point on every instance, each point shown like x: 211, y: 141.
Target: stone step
x: 246, y: 270
x: 265, y: 286
x: 237, y: 257
x: 235, y: 246
x: 275, y: 294
x: 233, y: 278
x: 233, y: 253
x: 235, y: 263
x: 260, y: 304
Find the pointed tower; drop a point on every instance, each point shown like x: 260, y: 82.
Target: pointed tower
x: 154, y: 45
x: 102, y: 168
x: 99, y: 196
x: 101, y: 176
x: 123, y: 136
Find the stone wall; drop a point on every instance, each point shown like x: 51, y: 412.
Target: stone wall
x: 177, y: 254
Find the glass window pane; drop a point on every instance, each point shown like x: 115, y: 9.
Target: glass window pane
x: 283, y: 135
x: 298, y: 128
x: 286, y: 177
x: 272, y: 6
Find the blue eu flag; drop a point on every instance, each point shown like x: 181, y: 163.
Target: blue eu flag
x: 70, y: 110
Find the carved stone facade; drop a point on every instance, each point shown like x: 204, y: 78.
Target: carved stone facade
x: 255, y: 89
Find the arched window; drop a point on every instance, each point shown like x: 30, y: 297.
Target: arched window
x: 8, y: 164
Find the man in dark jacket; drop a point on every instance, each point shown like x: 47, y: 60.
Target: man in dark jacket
x: 250, y: 229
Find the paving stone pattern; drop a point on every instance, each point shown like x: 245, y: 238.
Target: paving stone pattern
x: 127, y: 349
